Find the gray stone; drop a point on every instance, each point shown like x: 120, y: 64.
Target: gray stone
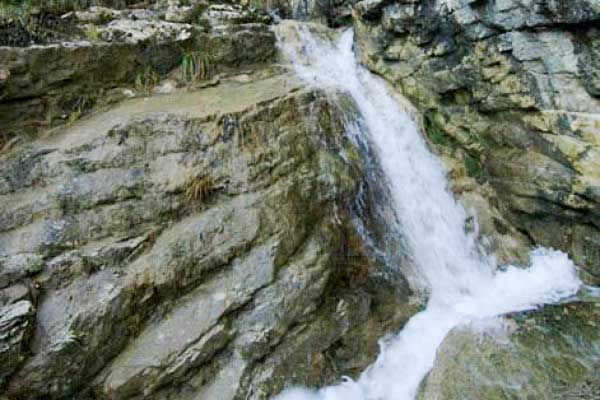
x: 18, y: 266
x: 547, y: 354
x: 16, y: 323
x: 176, y: 245
x: 45, y: 85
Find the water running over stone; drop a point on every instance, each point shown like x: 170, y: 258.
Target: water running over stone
x: 464, y: 284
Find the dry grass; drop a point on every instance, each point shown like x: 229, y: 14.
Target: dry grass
x: 199, y: 189
x: 356, y: 264
x: 249, y: 138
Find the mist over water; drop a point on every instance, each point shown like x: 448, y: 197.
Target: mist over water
x: 464, y: 284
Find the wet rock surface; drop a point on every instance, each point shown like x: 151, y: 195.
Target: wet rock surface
x: 552, y: 353
x: 508, y: 90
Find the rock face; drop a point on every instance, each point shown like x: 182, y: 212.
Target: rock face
x: 548, y: 354
x: 205, y: 243
x: 47, y: 84
x: 15, y: 330
x: 197, y: 245
x: 509, y: 89
x: 333, y: 13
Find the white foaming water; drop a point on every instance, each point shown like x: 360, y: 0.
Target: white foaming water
x: 464, y: 285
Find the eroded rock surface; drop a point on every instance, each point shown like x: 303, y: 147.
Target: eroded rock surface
x: 552, y: 353
x: 16, y: 326
x: 190, y: 246
x: 113, y: 54
x: 509, y: 90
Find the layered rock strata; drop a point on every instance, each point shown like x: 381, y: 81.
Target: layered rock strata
x: 509, y: 90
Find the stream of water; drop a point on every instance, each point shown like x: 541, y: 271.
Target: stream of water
x: 464, y: 284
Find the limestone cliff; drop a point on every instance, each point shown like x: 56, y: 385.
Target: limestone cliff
x: 509, y: 90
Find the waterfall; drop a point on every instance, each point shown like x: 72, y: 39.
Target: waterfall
x: 464, y: 284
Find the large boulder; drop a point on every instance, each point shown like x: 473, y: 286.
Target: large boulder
x: 192, y: 245
x: 552, y: 353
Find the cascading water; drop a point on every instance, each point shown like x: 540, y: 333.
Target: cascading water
x: 464, y: 285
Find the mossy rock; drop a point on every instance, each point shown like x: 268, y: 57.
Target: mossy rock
x: 552, y: 353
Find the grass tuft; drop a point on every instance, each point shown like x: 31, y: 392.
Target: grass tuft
x: 146, y: 80
x: 195, y: 66
x: 199, y: 189
x: 92, y: 33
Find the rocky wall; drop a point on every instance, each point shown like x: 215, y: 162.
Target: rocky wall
x: 508, y: 89
x: 193, y: 245
x: 122, y: 54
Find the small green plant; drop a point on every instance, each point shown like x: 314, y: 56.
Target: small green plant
x: 77, y: 109
x: 195, y: 66
x: 16, y: 9
x: 146, y: 80
x: 256, y: 7
x: 75, y: 115
x: 92, y: 33
x: 474, y: 167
